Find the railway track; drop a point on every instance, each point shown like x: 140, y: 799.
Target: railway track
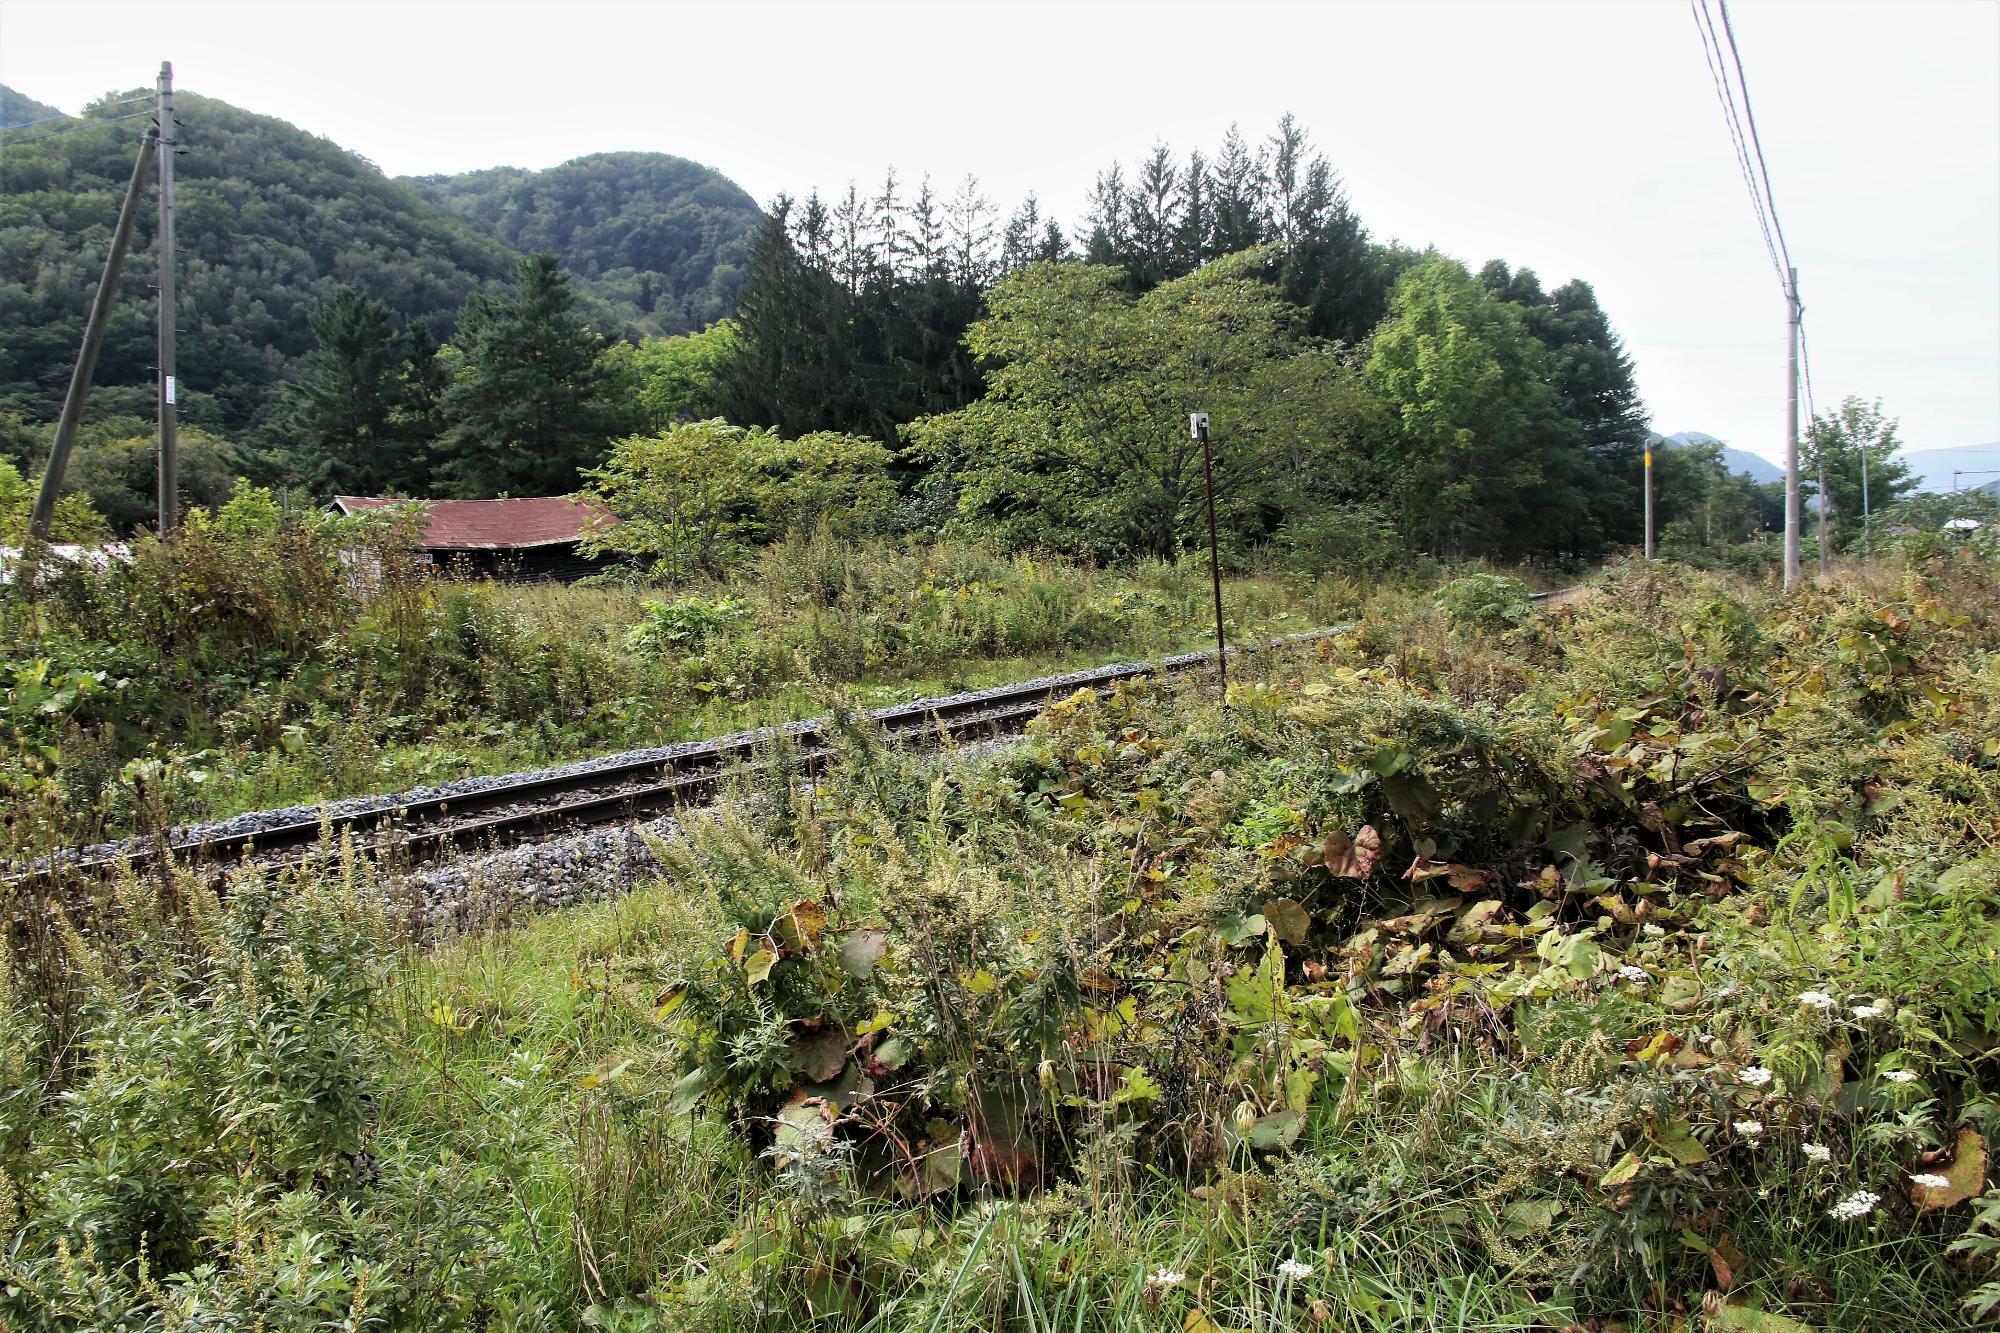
x: 534, y: 806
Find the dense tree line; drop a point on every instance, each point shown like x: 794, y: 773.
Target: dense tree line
x: 1369, y: 400
x: 1037, y: 384
x: 854, y: 313
x: 855, y: 309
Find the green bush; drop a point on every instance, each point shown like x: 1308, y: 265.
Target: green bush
x: 1485, y: 601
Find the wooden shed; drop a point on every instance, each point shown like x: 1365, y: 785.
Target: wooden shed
x: 521, y: 540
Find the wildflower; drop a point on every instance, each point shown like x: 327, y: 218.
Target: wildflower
x: 1165, y: 1277
x: 1864, y: 1012
x: 1899, y: 1075
x: 1295, y: 1270
x: 1756, y: 1076
x: 1629, y: 972
x: 1931, y: 1182
x: 1749, y: 1129
x: 1818, y: 1152
x: 1652, y: 932
x: 1855, y: 1206
x: 1818, y: 999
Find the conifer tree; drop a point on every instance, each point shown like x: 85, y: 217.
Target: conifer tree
x: 1021, y: 241
x: 533, y: 402
x: 1153, y: 223
x: 1238, y: 196
x: 1193, y: 239
x: 349, y: 413
x: 1110, y: 241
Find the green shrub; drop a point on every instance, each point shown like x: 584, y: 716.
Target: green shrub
x: 1485, y: 601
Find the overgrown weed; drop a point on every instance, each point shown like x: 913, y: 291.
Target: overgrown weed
x: 1635, y: 963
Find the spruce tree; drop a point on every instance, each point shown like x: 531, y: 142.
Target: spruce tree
x: 1195, y: 228
x: 1153, y: 213
x: 1237, y: 199
x: 534, y: 401
x: 1020, y: 242
x: 347, y: 414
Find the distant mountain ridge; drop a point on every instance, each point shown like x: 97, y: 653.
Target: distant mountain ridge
x: 20, y: 109
x: 273, y: 219
x: 1933, y: 467
x: 1756, y: 467
x: 663, y: 240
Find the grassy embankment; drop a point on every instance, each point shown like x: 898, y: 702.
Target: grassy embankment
x: 239, y: 669
x: 1636, y: 962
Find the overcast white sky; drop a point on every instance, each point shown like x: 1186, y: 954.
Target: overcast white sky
x: 1581, y: 139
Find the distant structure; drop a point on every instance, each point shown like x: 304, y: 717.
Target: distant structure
x: 523, y: 541
x: 58, y: 554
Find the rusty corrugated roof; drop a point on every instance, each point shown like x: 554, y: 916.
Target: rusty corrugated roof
x: 494, y: 525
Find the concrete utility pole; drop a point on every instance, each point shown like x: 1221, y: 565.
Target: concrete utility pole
x: 1791, y: 427
x: 86, y: 363
x: 1822, y: 515
x: 1198, y: 427
x: 1867, y: 517
x: 170, y: 458
x: 1649, y: 503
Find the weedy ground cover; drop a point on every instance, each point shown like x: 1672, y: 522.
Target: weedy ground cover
x: 264, y: 659
x: 1634, y: 964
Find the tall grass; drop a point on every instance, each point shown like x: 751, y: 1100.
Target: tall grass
x: 243, y: 666
x: 1549, y: 1072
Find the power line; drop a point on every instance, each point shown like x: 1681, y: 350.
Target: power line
x: 1805, y: 363
x: 30, y: 124
x: 1769, y: 202
x: 71, y: 129
x: 1711, y: 51
x: 64, y: 115
x: 1743, y: 136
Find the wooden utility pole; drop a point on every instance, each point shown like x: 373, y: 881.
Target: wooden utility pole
x: 170, y: 460
x: 1791, y: 427
x: 86, y: 363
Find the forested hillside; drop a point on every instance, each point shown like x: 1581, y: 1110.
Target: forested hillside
x: 17, y: 109
x: 661, y: 239
x: 274, y: 220
x: 271, y: 220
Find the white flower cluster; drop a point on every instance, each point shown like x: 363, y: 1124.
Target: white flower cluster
x: 1756, y: 1076
x: 1749, y: 1129
x: 1295, y: 1270
x: 1899, y: 1075
x: 1165, y: 1277
x: 1855, y: 1206
x: 1629, y: 972
x: 1930, y: 1182
x: 1653, y: 932
x: 1817, y: 1152
x: 1864, y: 1012
x: 1818, y: 999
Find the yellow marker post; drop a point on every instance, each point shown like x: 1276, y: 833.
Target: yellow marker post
x: 1649, y: 504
